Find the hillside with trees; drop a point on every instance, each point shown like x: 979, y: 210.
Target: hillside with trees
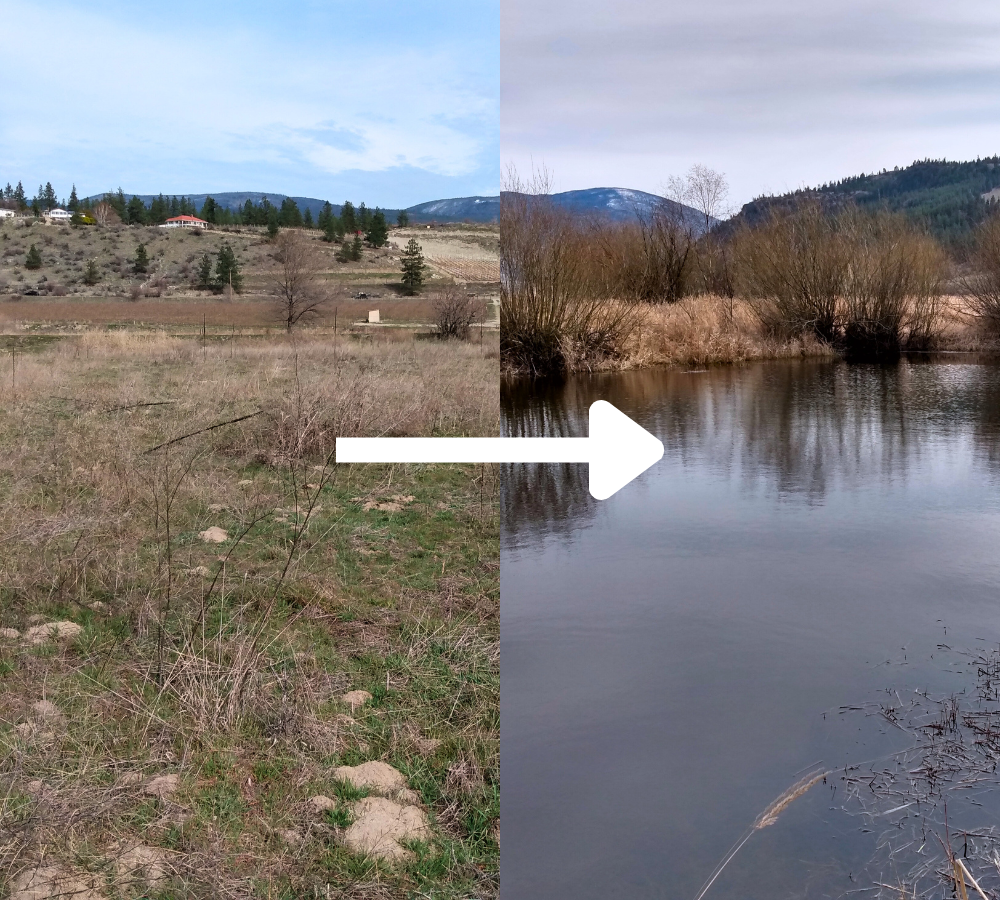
x: 946, y: 198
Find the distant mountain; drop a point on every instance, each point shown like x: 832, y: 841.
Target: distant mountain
x: 623, y: 204
x: 948, y: 198
x: 460, y: 209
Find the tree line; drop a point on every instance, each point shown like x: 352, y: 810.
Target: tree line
x: 356, y: 221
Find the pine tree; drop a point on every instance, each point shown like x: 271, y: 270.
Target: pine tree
x: 205, y: 272
x: 33, y: 259
x: 290, y: 217
x: 356, y: 246
x: 74, y: 201
x: 141, y: 260
x: 307, y: 218
x: 20, y: 198
x: 378, y: 230
x: 347, y: 217
x: 91, y: 275
x: 227, y: 269
x: 48, y: 196
x: 364, y: 217
x: 403, y: 219
x: 325, y: 214
x: 413, y: 267
x: 135, y: 212
x: 272, y: 223
x: 209, y: 210
x: 333, y: 230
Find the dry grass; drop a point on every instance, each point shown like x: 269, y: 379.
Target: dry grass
x: 241, y: 313
x: 224, y: 663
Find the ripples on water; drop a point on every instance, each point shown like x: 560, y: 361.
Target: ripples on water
x: 675, y: 657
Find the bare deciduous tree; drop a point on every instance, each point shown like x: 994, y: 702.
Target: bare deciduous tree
x: 298, y: 290
x: 455, y: 312
x: 702, y: 188
x: 105, y: 214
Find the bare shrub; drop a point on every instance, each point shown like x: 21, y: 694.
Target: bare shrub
x: 892, y: 285
x: 551, y: 305
x: 981, y: 289
x: 792, y: 269
x: 649, y: 260
x: 454, y: 313
x: 298, y: 290
x: 867, y: 282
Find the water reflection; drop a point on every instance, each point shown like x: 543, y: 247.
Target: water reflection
x: 677, y: 656
x: 792, y: 429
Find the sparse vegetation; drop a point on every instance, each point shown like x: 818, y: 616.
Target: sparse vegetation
x: 196, y: 703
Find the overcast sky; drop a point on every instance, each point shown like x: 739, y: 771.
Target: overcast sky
x: 389, y: 102
x: 776, y: 94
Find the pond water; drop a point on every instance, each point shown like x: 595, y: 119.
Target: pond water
x: 819, y: 542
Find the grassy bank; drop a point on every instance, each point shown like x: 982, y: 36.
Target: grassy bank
x: 166, y: 738
x: 583, y: 294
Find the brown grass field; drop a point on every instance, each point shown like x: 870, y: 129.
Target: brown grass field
x: 171, y: 735
x: 250, y: 313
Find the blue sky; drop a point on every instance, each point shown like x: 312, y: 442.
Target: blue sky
x: 777, y: 94
x: 393, y: 103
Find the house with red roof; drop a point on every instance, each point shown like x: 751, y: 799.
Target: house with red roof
x: 185, y: 222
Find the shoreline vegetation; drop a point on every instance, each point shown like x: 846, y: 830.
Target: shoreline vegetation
x: 588, y: 294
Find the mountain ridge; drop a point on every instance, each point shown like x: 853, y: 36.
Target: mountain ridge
x: 948, y: 198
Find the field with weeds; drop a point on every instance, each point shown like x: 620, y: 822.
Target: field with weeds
x: 215, y: 642
x: 78, y: 263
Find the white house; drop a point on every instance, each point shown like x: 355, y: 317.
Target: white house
x: 185, y: 222
x: 58, y: 215
x: 6, y: 214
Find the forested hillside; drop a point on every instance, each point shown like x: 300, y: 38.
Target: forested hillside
x: 947, y: 197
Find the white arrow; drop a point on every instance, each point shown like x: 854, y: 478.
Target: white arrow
x: 617, y: 449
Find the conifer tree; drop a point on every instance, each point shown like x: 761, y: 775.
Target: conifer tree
x: 272, y: 223
x: 325, y: 214
x: 135, y: 212
x: 209, y: 210
x: 227, y: 269
x: 205, y: 272
x: 33, y: 259
x: 333, y: 230
x: 91, y: 274
x: 356, y: 246
x: 413, y: 267
x: 290, y: 216
x: 48, y: 196
x: 347, y: 217
x: 20, y: 198
x: 378, y: 230
x: 74, y: 201
x: 307, y: 218
x: 403, y: 219
x: 141, y: 260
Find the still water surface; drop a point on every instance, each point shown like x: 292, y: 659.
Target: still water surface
x: 816, y: 536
